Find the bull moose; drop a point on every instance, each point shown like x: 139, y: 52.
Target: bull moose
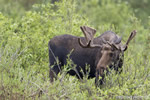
x: 99, y: 53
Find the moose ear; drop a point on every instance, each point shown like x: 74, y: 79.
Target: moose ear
x: 132, y: 35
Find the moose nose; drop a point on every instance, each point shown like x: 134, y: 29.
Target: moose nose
x: 102, y: 68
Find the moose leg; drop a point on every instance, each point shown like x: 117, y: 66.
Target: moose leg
x: 54, y: 65
x: 54, y: 68
x: 98, y: 81
x: 53, y: 73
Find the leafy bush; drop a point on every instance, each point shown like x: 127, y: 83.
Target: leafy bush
x: 24, y: 60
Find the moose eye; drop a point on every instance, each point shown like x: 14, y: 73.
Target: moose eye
x: 111, y: 54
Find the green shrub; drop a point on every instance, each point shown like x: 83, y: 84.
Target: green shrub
x: 24, y: 63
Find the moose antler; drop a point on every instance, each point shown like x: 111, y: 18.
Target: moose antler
x: 113, y: 43
x: 89, y: 35
x: 132, y: 35
x: 124, y: 47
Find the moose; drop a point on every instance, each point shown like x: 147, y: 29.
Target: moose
x: 100, y: 53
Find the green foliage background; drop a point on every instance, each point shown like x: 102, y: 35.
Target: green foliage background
x: 26, y: 26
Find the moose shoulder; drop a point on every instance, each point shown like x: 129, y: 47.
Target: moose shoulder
x: 99, y: 52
